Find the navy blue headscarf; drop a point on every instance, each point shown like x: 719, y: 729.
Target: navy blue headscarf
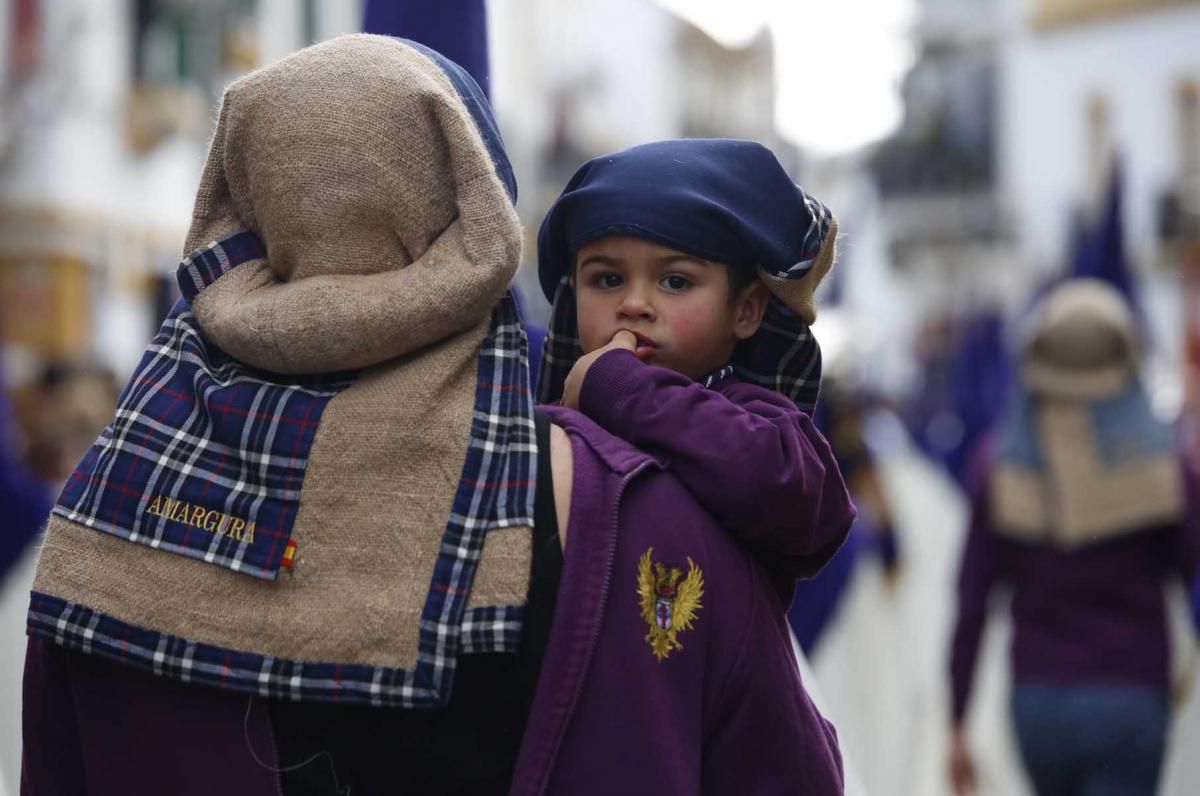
x: 721, y: 200
x: 477, y: 105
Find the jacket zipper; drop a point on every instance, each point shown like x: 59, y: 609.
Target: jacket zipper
x: 608, y: 574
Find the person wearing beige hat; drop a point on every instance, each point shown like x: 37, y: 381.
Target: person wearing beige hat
x: 320, y: 546
x: 1082, y: 506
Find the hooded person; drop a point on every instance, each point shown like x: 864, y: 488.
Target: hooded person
x: 317, y: 485
x: 1083, y: 505
x: 24, y: 500
x: 307, y: 529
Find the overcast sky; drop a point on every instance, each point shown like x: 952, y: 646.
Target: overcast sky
x: 837, y: 65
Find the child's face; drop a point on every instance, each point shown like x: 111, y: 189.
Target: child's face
x: 678, y: 306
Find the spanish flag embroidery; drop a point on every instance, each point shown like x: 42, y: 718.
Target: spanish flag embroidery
x: 289, y: 555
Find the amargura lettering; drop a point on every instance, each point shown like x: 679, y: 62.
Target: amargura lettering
x: 210, y: 520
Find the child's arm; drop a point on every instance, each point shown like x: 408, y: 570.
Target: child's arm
x: 750, y: 457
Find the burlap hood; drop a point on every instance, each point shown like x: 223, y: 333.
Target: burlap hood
x: 317, y: 483
x: 352, y: 160
x: 1082, y: 343
x: 1082, y: 458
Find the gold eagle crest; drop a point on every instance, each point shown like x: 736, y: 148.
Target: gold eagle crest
x: 668, y: 606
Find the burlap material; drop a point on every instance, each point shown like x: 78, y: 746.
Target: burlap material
x: 1081, y: 350
x: 1082, y: 344
x: 1077, y: 499
x: 798, y: 294
x: 351, y: 160
x: 389, y: 239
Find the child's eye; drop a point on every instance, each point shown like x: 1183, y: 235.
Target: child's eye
x: 675, y: 282
x: 607, y: 280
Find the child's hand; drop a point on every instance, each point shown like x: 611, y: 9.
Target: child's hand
x: 622, y: 339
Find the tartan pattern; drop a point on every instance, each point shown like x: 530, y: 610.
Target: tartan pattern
x: 93, y: 633
x: 203, y: 267
x: 497, y: 490
x: 561, y: 346
x: 201, y: 446
x: 782, y: 356
x: 819, y: 220
x: 80, y: 628
x: 716, y: 377
x: 492, y: 629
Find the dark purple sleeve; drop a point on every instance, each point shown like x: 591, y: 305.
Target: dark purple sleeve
x: 753, y: 460
x: 1185, y: 540
x: 52, y: 753
x: 1184, y: 545
x: 979, y: 570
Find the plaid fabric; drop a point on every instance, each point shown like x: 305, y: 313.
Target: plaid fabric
x: 716, y: 377
x: 492, y: 629
x: 561, y: 347
x: 91, y: 632
x: 80, y: 628
x: 201, y: 268
x: 204, y: 457
x: 819, y: 219
x: 497, y: 490
x: 782, y: 356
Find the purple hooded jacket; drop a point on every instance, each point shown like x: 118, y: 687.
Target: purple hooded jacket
x: 725, y: 713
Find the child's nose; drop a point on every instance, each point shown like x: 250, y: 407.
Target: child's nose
x: 635, y: 305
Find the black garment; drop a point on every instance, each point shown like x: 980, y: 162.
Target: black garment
x: 470, y: 746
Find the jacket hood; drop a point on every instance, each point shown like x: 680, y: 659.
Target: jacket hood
x: 1083, y: 342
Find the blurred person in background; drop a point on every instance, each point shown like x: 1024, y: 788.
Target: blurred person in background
x: 1082, y: 506
x: 24, y: 498
x: 841, y: 415
x: 61, y: 414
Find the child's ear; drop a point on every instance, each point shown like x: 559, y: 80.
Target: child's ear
x: 748, y: 309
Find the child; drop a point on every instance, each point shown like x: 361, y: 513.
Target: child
x: 682, y: 276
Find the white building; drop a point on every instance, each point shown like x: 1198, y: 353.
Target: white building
x: 1062, y: 64
x: 1081, y: 81
x: 573, y: 79
x: 105, y: 130
x: 94, y: 203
